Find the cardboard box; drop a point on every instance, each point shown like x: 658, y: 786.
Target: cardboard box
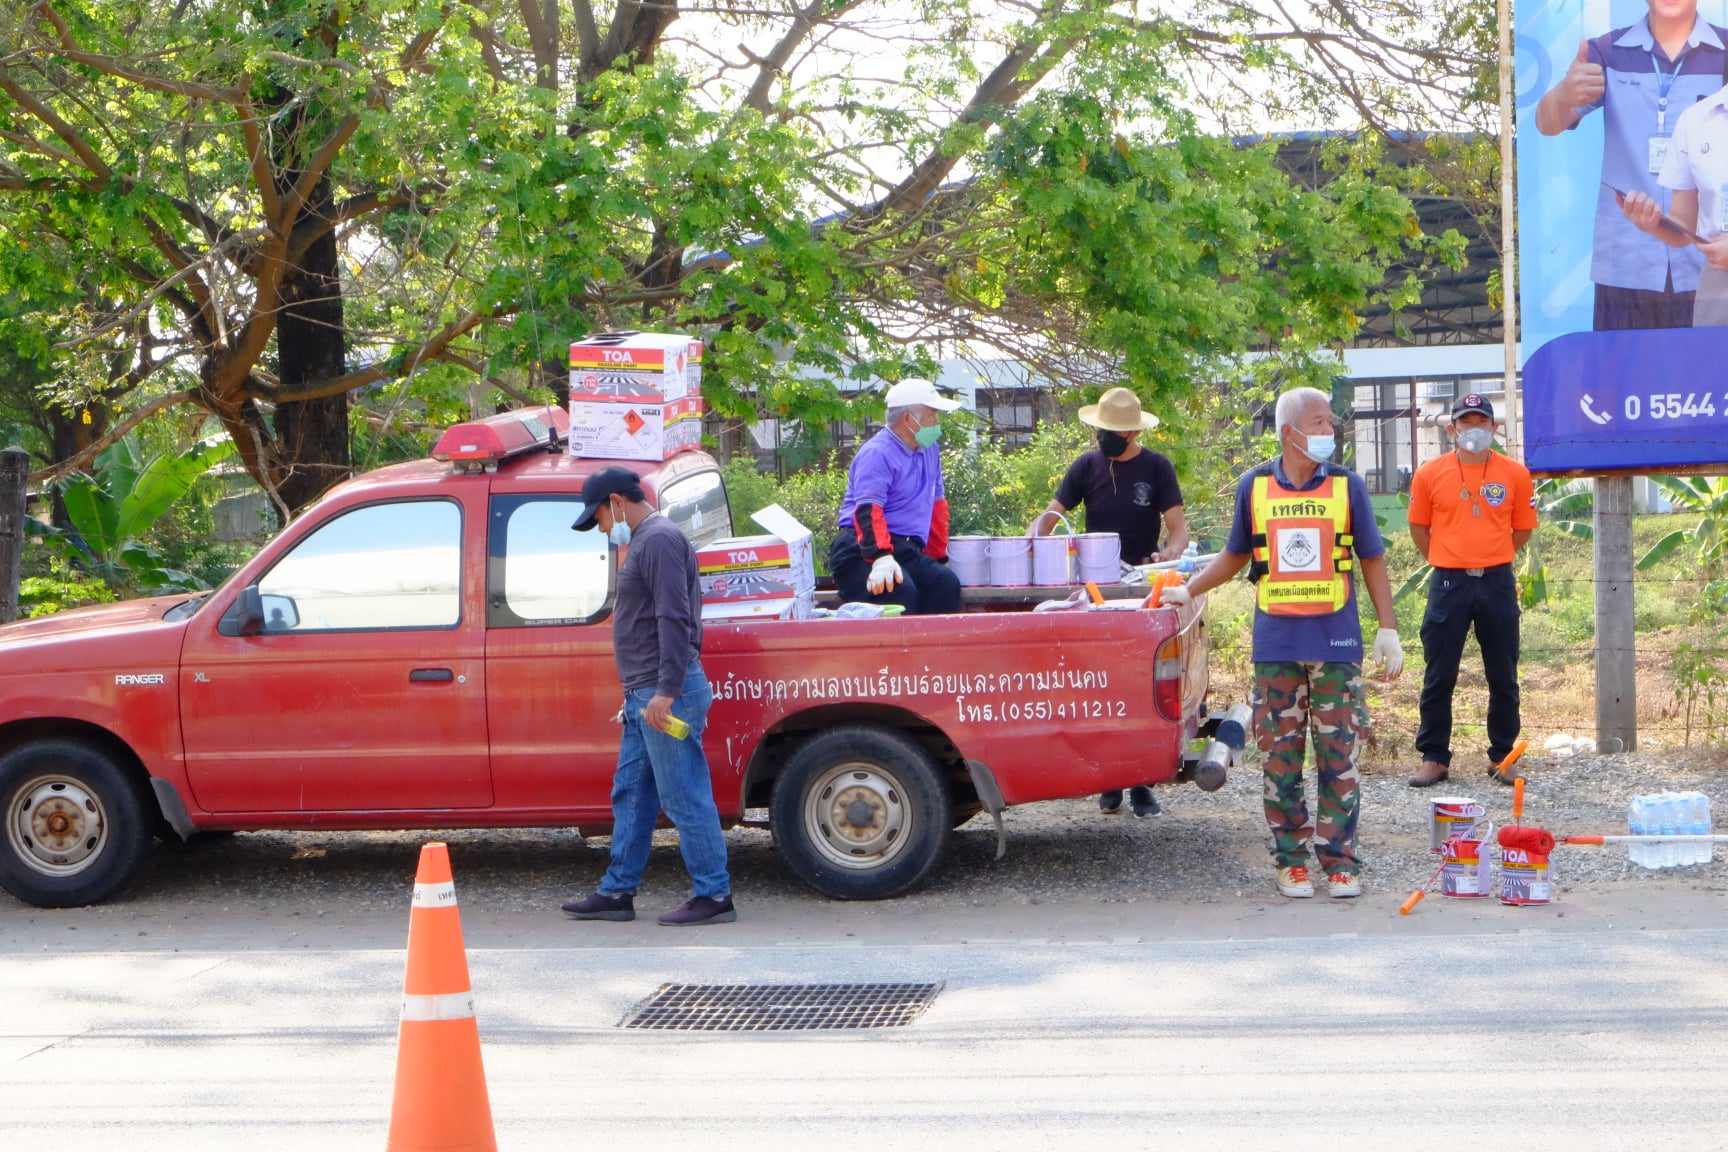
x: 731, y: 611
x: 779, y: 568
x: 614, y: 429
x: 636, y: 365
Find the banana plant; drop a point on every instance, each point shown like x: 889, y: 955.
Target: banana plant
x: 1708, y: 497
x: 112, y: 510
x: 1557, y: 503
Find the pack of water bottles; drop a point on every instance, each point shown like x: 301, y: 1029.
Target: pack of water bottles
x: 1669, y: 814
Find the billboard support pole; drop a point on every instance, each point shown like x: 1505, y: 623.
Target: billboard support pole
x: 1509, y: 235
x: 1616, y: 643
x: 14, y: 503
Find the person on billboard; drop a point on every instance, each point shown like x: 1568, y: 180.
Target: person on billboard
x: 1470, y: 538
x: 1131, y: 491
x: 1696, y: 171
x: 1305, y: 525
x: 1641, y: 77
x: 893, y: 542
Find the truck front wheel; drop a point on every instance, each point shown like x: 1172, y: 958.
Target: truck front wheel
x: 861, y: 813
x: 75, y: 826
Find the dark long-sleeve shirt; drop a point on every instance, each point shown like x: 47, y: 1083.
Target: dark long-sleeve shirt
x: 657, y: 622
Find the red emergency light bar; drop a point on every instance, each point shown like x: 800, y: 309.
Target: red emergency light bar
x: 483, y: 444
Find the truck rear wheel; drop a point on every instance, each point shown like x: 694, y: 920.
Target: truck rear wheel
x: 75, y: 824
x: 861, y: 813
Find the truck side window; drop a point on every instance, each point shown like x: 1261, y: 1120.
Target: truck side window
x: 395, y: 565
x: 539, y: 571
x: 697, y: 505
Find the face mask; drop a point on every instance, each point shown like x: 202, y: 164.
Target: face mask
x: 1320, y: 448
x: 620, y: 532
x: 1112, y: 444
x: 1475, y: 439
x: 927, y: 436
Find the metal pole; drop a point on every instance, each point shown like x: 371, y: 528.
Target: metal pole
x: 1509, y: 235
x: 1616, y: 665
x: 14, y: 472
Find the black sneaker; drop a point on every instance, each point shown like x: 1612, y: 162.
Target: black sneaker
x: 1143, y: 802
x: 602, y: 907
x: 701, y: 910
x: 1110, y: 802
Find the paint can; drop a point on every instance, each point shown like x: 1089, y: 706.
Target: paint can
x: 1010, y: 561
x: 969, y: 561
x: 1098, y: 557
x: 1052, y: 560
x: 1450, y: 816
x: 1465, y: 873
x: 1523, y: 877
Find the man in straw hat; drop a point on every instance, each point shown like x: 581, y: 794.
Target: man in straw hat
x: 892, y: 547
x: 1305, y: 525
x: 1131, y: 491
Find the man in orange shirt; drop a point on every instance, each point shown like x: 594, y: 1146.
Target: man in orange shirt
x: 1470, y: 512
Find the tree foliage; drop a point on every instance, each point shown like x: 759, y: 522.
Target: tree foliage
x: 828, y: 190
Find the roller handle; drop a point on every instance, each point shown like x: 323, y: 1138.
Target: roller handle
x: 1405, y: 908
x: 1092, y: 591
x: 1582, y: 840
x: 1517, y: 799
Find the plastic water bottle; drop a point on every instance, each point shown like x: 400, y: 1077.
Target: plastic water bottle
x: 1706, y: 853
x: 1186, y: 563
x: 1669, y: 825
x: 1638, y: 824
x: 1697, y: 823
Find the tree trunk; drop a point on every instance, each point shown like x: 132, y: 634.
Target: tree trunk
x: 71, y: 436
x: 311, y: 344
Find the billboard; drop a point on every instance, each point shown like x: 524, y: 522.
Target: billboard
x: 1622, y: 155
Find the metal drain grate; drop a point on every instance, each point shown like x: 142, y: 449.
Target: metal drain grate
x: 781, y: 1007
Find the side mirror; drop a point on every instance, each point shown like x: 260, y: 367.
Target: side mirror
x: 247, y: 615
x: 280, y: 613
x: 254, y: 612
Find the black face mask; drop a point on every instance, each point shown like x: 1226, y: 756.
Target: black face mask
x: 1111, y: 443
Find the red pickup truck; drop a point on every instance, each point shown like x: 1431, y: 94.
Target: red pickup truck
x: 429, y: 647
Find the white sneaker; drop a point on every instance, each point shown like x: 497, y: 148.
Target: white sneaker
x: 1294, y: 882
x: 1342, y: 884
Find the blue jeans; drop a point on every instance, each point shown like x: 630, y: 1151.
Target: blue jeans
x: 655, y: 772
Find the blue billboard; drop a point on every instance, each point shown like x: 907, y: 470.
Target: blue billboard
x: 1622, y: 153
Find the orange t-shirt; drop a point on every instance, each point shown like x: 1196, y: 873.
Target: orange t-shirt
x: 1471, y: 510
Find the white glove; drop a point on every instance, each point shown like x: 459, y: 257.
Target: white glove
x: 884, y: 574
x: 1388, y: 652
x: 1175, y: 596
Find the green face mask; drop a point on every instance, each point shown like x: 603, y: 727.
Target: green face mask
x: 928, y: 436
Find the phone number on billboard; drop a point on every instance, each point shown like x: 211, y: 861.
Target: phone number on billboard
x: 1672, y: 405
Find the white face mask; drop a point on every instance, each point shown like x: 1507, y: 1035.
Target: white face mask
x: 1320, y: 448
x: 1475, y: 439
x: 619, y: 533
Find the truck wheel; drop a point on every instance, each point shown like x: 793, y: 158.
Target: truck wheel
x: 861, y: 813
x: 75, y: 828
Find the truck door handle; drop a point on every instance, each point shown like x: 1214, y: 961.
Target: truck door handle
x: 421, y: 675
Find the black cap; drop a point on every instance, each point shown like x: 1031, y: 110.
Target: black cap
x: 602, y: 486
x: 1473, y: 402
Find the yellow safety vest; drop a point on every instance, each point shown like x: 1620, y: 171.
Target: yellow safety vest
x: 1301, y: 546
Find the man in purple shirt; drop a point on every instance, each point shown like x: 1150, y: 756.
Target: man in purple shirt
x: 893, y: 542
x: 1641, y: 77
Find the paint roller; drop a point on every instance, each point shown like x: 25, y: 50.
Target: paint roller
x: 1498, y: 772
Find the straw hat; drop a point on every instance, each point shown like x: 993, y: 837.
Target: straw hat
x: 1118, y: 410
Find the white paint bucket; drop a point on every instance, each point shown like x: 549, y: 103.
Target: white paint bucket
x: 1052, y: 560
x: 1098, y: 557
x: 1010, y: 561
x: 1450, y: 816
x: 1465, y: 873
x: 969, y: 561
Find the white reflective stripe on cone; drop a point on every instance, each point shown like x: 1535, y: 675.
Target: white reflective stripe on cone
x: 448, y: 1006
x: 435, y: 895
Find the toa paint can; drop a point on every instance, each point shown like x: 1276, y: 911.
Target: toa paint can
x: 969, y: 560
x: 1465, y: 873
x: 1523, y: 877
x: 1450, y: 816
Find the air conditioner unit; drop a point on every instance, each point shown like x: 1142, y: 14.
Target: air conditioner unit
x: 1438, y: 389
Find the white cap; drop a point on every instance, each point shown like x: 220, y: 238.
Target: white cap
x: 915, y: 391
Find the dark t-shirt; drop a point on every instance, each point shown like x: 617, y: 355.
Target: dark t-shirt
x: 1127, y: 497
x: 657, y: 618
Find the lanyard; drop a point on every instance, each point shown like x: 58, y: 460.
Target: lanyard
x: 1665, y: 85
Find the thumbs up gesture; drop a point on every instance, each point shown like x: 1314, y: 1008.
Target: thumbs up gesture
x: 1584, y: 82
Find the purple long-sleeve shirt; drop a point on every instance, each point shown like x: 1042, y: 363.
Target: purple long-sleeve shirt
x: 904, y: 482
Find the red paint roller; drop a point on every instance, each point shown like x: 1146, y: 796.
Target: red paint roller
x: 1536, y: 841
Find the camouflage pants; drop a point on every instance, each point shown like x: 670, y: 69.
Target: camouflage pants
x: 1289, y: 698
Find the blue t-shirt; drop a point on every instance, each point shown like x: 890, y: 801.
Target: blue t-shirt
x: 1336, y: 636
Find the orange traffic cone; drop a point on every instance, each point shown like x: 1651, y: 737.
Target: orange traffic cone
x: 440, y: 1099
